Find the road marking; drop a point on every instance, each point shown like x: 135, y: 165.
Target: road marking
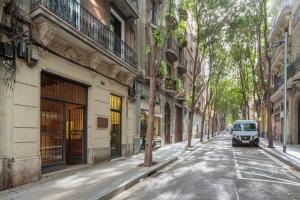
x: 271, y: 171
x: 255, y: 163
x: 236, y: 192
x: 262, y: 175
x: 238, y: 173
x: 254, y: 157
x: 270, y: 181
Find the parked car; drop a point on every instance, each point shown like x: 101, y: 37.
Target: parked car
x: 244, y: 132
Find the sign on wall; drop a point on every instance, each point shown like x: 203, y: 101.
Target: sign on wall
x: 102, y: 122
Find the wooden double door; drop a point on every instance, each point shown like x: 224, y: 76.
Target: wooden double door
x: 63, y: 123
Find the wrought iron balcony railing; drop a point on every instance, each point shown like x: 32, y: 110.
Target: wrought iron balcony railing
x: 278, y: 81
x: 170, y: 85
x: 296, y: 16
x: 74, y: 14
x: 134, y: 4
x: 129, y: 8
x: 172, y: 50
x: 286, y: 4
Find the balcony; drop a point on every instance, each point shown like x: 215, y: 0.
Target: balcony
x: 182, y: 66
x: 280, y: 19
x: 181, y: 96
x: 81, y: 24
x: 296, y: 16
x: 130, y: 8
x: 170, y: 86
x: 172, y: 17
x: 172, y: 50
x: 278, y: 81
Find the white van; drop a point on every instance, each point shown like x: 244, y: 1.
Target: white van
x: 244, y: 132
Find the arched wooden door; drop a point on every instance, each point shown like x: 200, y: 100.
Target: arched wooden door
x: 167, y: 124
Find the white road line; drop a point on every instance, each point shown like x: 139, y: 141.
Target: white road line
x: 254, y: 160
x: 255, y: 163
x: 271, y: 171
x: 254, y: 157
x: 262, y: 175
x: 239, y: 175
x: 270, y: 181
x: 236, y: 192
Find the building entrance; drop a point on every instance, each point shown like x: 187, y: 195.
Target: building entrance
x: 63, y: 123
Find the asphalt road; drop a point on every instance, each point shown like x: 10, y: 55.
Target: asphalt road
x: 219, y: 171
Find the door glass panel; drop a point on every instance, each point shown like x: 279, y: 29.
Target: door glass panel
x: 52, y: 132
x: 115, y: 121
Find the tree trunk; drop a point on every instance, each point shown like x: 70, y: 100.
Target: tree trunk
x: 268, y: 91
x: 149, y: 135
x: 191, y: 118
x: 202, y: 127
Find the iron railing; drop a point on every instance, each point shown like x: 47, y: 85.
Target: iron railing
x: 74, y: 14
x: 296, y: 15
x: 134, y: 4
x: 278, y: 81
x: 286, y: 4
x: 172, y: 49
x: 170, y: 84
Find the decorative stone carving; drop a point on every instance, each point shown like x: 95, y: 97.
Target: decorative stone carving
x: 46, y: 32
x: 129, y: 79
x: 43, y: 53
x: 114, y: 71
x: 69, y: 51
x: 95, y: 60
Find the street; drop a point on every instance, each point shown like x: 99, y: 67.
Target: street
x: 219, y: 171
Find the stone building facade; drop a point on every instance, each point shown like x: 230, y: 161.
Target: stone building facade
x: 80, y: 94
x: 72, y: 101
x: 287, y: 16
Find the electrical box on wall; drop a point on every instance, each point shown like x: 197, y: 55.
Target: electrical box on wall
x: 34, y: 54
x: 21, y: 52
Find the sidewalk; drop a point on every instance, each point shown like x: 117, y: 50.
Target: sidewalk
x: 291, y: 157
x: 101, y: 181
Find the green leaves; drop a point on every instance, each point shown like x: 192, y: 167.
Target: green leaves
x: 179, y: 85
x: 163, y: 70
x: 157, y: 38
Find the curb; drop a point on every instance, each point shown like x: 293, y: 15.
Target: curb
x: 281, y: 157
x: 126, y: 185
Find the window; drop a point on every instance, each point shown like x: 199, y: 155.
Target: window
x: 237, y: 127
x: 249, y: 127
x: 154, y: 13
x: 245, y: 127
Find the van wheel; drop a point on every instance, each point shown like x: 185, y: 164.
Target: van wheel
x: 233, y: 145
x: 256, y: 145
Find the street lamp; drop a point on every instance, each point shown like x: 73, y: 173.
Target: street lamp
x: 285, y: 42
x: 285, y: 88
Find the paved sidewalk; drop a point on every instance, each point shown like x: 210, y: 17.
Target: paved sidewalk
x: 101, y: 181
x: 291, y: 157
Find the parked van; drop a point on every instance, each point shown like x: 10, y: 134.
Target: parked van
x: 244, y: 132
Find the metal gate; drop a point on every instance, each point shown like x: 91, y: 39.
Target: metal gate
x: 63, y: 123
x: 116, y: 126
x: 74, y: 135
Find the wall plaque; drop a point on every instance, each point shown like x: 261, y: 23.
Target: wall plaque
x: 102, y: 122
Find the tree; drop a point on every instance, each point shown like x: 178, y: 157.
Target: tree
x: 209, y: 17
x: 156, y: 42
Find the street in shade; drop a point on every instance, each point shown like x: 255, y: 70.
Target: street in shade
x: 218, y: 171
